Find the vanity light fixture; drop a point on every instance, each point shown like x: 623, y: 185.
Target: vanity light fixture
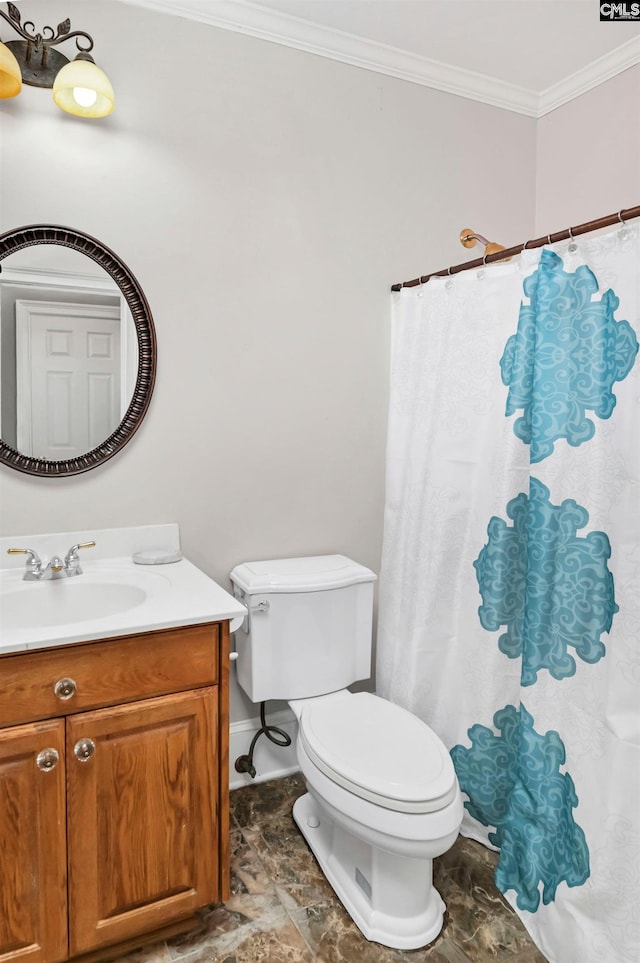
x: 79, y: 86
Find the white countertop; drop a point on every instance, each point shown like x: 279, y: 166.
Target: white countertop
x: 170, y: 595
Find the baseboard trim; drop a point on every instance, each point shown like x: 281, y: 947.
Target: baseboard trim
x: 270, y: 761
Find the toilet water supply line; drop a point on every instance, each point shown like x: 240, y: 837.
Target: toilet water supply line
x: 245, y: 763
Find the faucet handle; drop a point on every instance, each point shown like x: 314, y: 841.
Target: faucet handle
x: 72, y: 560
x: 74, y: 548
x: 33, y: 562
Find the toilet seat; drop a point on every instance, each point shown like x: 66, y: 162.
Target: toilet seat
x: 378, y: 751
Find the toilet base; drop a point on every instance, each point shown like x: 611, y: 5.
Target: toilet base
x: 391, y: 898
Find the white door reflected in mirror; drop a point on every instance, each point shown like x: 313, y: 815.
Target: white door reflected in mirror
x: 67, y: 376
x: 68, y: 353
x: 47, y: 262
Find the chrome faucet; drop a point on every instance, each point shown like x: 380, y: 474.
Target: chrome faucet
x: 55, y: 567
x: 72, y: 559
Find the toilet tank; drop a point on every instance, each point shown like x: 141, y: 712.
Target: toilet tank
x: 308, y: 628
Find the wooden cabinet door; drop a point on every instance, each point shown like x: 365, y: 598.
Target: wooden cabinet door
x: 142, y: 809
x: 33, y: 861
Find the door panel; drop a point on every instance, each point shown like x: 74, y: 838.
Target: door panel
x: 33, y: 904
x: 142, y: 816
x: 68, y: 376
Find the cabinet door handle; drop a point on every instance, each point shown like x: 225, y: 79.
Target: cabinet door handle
x: 65, y: 689
x: 47, y: 759
x: 84, y: 749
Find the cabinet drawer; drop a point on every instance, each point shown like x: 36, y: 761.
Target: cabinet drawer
x: 107, y: 673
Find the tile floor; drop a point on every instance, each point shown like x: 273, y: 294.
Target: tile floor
x: 282, y: 910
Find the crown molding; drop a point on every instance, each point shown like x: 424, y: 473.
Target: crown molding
x: 625, y: 56
x: 243, y: 16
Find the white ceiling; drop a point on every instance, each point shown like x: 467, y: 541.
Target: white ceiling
x: 524, y: 55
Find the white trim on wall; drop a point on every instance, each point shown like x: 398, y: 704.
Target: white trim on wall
x: 625, y: 56
x: 290, y: 31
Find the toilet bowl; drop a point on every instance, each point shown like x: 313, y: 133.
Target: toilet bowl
x: 382, y: 796
x: 382, y: 802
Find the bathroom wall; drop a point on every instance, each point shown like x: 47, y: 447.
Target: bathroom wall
x: 588, y: 155
x: 266, y: 199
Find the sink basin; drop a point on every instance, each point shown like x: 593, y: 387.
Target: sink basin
x: 35, y: 605
x: 113, y: 597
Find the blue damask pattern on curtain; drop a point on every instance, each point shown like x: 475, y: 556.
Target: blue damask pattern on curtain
x: 565, y: 357
x: 550, y: 588
x: 514, y: 783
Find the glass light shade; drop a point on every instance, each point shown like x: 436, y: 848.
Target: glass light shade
x: 75, y: 86
x: 10, y: 76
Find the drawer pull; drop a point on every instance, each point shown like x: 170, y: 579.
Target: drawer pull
x: 47, y: 759
x: 65, y: 689
x: 84, y: 749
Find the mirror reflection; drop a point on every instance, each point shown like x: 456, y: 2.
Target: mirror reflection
x: 77, y: 351
x: 68, y: 353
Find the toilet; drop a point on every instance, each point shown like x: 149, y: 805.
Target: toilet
x: 382, y: 796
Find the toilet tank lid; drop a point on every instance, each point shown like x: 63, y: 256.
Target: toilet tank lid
x: 315, y: 573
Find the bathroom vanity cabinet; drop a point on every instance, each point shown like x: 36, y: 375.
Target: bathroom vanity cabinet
x: 114, y: 817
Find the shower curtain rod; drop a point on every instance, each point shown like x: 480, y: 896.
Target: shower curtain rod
x: 621, y: 217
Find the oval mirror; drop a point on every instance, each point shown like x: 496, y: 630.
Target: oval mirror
x: 77, y: 351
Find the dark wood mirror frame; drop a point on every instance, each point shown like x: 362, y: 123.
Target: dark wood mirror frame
x: 23, y: 237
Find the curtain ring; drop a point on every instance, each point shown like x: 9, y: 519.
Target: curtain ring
x: 620, y: 218
x: 572, y: 247
x: 449, y: 272
x: 549, y: 241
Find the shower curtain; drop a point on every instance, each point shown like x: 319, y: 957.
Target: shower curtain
x: 509, y: 612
